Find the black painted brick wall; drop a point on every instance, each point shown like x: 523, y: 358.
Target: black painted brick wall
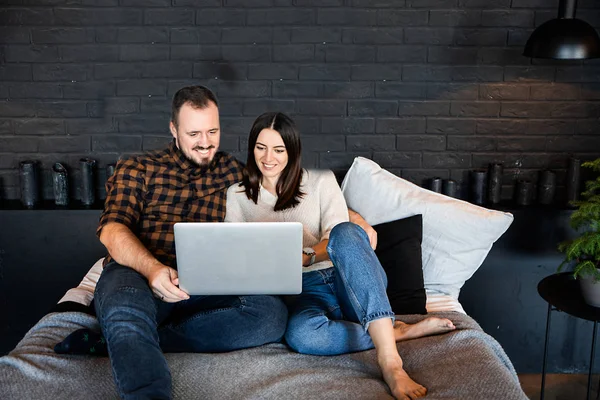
x: 423, y: 87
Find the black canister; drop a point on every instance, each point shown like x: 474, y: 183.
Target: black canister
x: 573, y: 179
x: 110, y: 170
x: 436, y: 185
x: 547, y: 187
x: 477, y: 186
x: 494, y: 183
x: 29, y: 174
x: 88, y: 185
x: 524, y: 192
x: 60, y: 181
x: 450, y: 188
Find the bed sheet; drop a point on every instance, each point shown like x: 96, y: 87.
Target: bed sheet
x: 463, y: 364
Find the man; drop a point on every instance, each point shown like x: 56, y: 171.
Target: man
x: 140, y: 308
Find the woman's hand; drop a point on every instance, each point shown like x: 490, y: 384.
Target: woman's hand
x: 357, y: 219
x: 305, y: 260
x: 163, y: 281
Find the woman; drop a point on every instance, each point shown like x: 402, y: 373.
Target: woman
x: 343, y: 306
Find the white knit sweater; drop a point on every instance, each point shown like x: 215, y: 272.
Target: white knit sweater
x: 322, y: 207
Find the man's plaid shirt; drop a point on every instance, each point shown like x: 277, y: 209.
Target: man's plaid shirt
x: 151, y: 192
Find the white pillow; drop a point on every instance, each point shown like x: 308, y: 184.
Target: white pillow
x: 457, y: 235
x: 84, y: 292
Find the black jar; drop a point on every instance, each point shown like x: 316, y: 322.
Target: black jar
x: 450, y: 188
x: 524, y: 192
x: 546, y: 187
x: 60, y: 183
x: 478, y: 186
x: 573, y: 179
x: 436, y: 185
x: 29, y: 176
x: 88, y: 181
x: 494, y: 183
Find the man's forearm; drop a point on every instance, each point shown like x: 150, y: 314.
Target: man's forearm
x: 126, y: 249
x: 357, y: 219
x: 354, y: 217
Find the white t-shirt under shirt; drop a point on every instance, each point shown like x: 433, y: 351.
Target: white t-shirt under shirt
x: 322, y: 207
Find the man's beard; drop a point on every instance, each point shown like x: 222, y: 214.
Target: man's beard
x: 205, y: 161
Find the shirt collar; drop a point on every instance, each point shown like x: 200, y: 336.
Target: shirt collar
x: 266, y: 196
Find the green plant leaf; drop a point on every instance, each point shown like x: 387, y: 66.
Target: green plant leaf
x: 586, y: 269
x: 584, y: 251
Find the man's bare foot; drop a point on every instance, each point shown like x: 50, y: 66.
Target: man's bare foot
x: 429, y: 326
x: 401, y: 385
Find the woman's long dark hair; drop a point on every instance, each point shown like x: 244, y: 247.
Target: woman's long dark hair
x: 288, y: 184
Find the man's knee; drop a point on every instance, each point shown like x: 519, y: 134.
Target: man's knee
x: 269, y: 314
x: 116, y: 278
x: 125, y: 314
x: 122, y: 291
x: 276, y: 313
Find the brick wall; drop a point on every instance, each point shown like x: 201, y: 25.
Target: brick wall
x: 423, y: 87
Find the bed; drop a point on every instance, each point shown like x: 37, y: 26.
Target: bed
x: 463, y: 364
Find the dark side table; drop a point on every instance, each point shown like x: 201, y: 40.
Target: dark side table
x: 562, y: 293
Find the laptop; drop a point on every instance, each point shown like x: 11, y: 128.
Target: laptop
x: 231, y: 258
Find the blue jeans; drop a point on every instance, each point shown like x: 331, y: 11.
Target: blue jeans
x: 139, y: 327
x: 333, y: 312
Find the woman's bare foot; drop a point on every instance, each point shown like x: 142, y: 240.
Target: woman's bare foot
x: 429, y: 326
x: 401, y: 385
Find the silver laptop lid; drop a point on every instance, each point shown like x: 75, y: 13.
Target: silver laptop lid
x: 219, y: 258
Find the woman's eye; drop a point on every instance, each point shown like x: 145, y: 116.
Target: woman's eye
x: 279, y: 151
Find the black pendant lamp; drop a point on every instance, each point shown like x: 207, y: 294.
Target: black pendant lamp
x: 565, y: 37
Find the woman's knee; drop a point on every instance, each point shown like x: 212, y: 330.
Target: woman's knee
x: 346, y: 237
x: 347, y: 231
x: 295, y: 338
x: 306, y: 336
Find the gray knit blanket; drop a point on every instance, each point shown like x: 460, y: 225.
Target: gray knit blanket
x: 463, y: 364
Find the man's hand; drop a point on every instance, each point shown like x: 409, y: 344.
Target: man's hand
x: 357, y: 219
x: 126, y: 249
x: 163, y: 281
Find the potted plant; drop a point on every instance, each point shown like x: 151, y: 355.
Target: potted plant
x: 584, y: 250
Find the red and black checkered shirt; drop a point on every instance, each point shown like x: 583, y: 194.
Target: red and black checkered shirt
x: 151, y: 192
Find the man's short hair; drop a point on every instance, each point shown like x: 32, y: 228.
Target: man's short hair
x: 198, y: 97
